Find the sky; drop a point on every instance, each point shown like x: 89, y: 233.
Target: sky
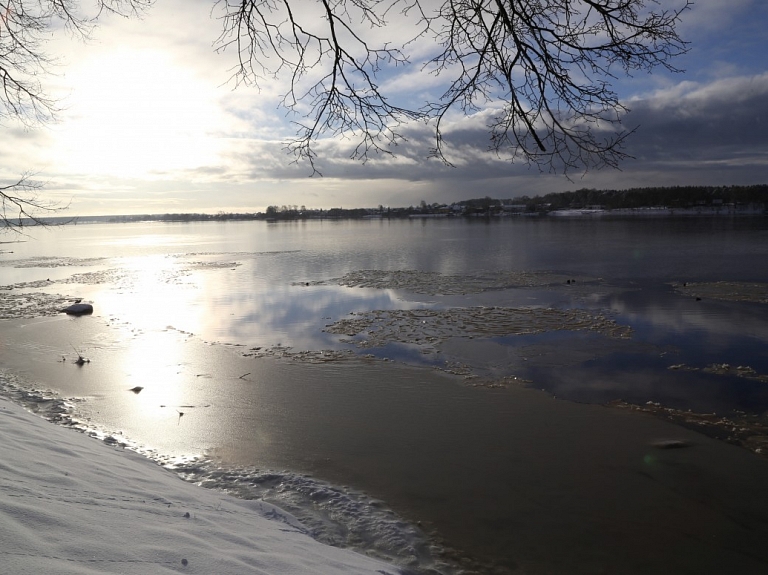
x: 151, y: 122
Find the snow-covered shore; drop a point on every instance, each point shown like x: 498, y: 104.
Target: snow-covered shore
x: 73, y: 505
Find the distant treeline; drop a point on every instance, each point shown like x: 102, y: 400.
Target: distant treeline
x: 670, y: 197
x: 677, y: 197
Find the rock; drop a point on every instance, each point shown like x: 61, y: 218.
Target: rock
x: 671, y: 444
x: 79, y: 309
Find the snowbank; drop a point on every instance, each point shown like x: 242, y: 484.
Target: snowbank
x: 72, y: 505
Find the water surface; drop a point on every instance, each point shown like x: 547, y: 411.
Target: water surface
x: 225, y: 326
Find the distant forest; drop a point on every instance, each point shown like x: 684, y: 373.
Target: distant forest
x: 678, y: 197
x: 670, y: 197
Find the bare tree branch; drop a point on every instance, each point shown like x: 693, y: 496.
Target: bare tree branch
x: 331, y: 68
x: 24, y: 28
x: 544, y: 65
x: 21, y: 205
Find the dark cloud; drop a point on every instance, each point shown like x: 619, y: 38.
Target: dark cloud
x: 724, y: 122
x: 687, y: 134
x: 410, y: 160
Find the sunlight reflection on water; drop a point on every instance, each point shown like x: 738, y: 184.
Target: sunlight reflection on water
x: 479, y: 463
x: 261, y: 286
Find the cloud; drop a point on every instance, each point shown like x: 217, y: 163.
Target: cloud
x: 193, y: 142
x: 687, y: 133
x: 723, y: 121
x: 23, y: 150
x: 713, y: 15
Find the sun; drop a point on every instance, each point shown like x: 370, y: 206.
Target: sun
x: 136, y: 113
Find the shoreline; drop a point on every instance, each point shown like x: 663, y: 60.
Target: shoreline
x: 477, y: 457
x: 566, y: 464
x: 89, y: 399
x: 661, y: 212
x: 72, y: 506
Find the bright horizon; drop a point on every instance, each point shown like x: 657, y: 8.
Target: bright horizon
x: 150, y: 123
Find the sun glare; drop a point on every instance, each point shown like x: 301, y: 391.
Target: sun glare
x: 136, y: 113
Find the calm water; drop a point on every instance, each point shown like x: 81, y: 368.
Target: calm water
x: 177, y: 305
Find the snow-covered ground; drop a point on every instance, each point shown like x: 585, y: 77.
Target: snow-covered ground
x: 73, y: 505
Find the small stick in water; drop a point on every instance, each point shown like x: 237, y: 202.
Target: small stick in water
x: 80, y: 359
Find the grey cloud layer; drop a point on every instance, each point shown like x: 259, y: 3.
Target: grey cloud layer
x: 724, y: 121
x: 690, y: 129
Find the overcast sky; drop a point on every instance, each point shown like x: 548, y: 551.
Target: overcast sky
x: 150, y: 123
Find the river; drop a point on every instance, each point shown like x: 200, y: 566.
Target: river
x: 449, y: 394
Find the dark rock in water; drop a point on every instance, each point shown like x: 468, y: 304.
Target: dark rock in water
x: 671, y: 444
x: 78, y: 309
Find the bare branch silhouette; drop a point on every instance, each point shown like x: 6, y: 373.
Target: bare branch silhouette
x: 542, y: 69
x: 21, y: 205
x: 545, y: 66
x: 25, y: 26
x: 332, y: 69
